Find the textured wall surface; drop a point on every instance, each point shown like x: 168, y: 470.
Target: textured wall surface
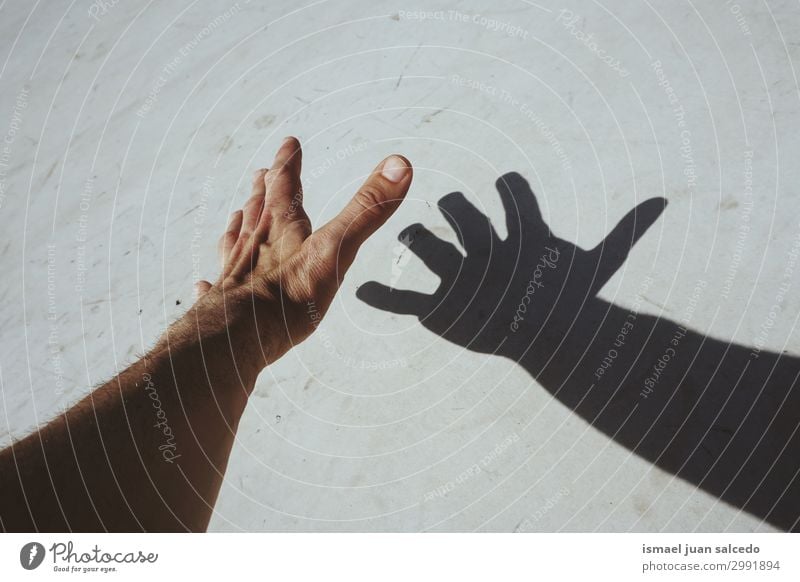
x: 130, y: 131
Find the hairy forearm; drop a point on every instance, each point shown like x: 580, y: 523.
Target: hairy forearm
x: 147, y: 450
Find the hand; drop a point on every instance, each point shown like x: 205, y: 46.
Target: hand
x: 278, y: 277
x: 504, y: 293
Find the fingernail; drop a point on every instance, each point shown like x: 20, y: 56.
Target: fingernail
x: 394, y: 169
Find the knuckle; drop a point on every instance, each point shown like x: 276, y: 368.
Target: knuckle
x: 285, y: 171
x: 281, y: 179
x: 302, y: 223
x: 281, y: 171
x: 258, y: 176
x: 295, y: 212
x: 324, y: 247
x: 372, y: 201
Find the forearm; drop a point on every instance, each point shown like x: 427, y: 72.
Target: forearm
x: 589, y: 358
x: 147, y: 450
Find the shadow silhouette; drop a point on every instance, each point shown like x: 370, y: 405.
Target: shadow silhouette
x: 719, y: 415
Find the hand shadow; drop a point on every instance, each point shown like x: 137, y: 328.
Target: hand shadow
x: 719, y: 415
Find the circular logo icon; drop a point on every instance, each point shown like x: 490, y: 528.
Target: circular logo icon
x: 31, y: 555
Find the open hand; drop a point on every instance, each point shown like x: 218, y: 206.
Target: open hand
x: 504, y: 291
x: 276, y: 272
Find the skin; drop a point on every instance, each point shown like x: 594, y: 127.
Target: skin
x: 148, y: 450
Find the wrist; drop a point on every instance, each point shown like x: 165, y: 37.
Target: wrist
x: 225, y: 330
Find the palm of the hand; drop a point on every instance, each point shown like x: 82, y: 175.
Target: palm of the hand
x: 500, y: 289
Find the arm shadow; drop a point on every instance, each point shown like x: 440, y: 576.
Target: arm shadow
x: 721, y: 416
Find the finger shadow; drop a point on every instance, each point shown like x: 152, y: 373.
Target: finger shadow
x: 720, y: 415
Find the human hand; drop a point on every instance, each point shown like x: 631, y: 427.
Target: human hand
x: 278, y: 277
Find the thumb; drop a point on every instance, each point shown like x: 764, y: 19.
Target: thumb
x: 612, y: 252
x: 373, y: 204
